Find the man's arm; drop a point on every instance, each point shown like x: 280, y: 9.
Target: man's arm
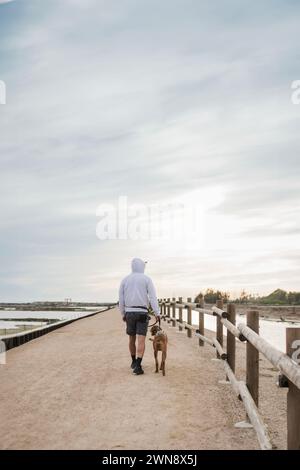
x: 121, y: 299
x: 153, y: 298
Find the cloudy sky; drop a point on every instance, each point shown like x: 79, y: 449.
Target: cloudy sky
x: 180, y: 101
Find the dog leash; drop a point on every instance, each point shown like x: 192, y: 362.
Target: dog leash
x: 157, y: 320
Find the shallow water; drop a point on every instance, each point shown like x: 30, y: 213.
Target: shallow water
x: 14, y: 325
x: 11, y: 326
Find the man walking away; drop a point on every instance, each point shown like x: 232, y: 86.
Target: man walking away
x: 136, y: 295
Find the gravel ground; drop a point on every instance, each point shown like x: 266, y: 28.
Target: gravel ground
x: 74, y: 389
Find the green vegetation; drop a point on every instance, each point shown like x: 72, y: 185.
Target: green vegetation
x: 211, y: 296
x: 278, y: 297
x: 281, y: 297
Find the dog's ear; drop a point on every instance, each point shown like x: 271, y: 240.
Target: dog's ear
x: 153, y: 330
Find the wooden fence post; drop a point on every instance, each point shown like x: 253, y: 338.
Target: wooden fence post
x: 174, y: 311
x: 293, y: 396
x: 189, y: 318
x: 180, y: 314
x: 219, y: 326
x: 168, y: 310
x: 201, y: 322
x: 231, y: 338
x: 252, y: 357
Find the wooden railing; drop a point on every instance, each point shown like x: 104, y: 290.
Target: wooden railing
x: 248, y: 390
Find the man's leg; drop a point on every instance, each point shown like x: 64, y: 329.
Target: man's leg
x: 132, y: 347
x: 140, y: 346
x: 131, y: 331
x: 140, y: 353
x: 132, y: 350
x: 141, y: 330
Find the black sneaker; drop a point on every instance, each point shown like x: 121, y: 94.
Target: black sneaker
x: 138, y: 370
x: 133, y: 364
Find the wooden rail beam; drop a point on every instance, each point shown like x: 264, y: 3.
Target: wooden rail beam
x: 221, y: 354
x: 207, y: 311
x: 204, y: 338
x: 217, y: 311
x: 233, y: 329
x: 255, y: 418
x: 213, y: 342
x: 195, y: 306
x: 232, y: 378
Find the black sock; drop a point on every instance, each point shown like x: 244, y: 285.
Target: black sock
x: 133, y: 357
x: 139, y: 361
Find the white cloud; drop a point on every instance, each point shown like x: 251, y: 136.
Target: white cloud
x: 121, y: 98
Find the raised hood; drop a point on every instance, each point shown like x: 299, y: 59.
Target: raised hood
x: 137, y: 265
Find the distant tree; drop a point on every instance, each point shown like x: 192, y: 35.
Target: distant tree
x: 244, y: 297
x: 226, y: 296
x: 278, y: 297
x: 253, y: 298
x: 211, y: 296
x: 293, y: 298
x: 198, y: 298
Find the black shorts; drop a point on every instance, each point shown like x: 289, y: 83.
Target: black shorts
x: 137, y: 323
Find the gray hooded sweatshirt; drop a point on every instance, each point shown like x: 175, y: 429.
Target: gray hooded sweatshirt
x: 137, y: 290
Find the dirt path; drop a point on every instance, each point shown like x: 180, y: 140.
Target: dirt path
x: 73, y: 389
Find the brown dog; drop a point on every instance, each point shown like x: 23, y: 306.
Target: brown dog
x: 160, y: 342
